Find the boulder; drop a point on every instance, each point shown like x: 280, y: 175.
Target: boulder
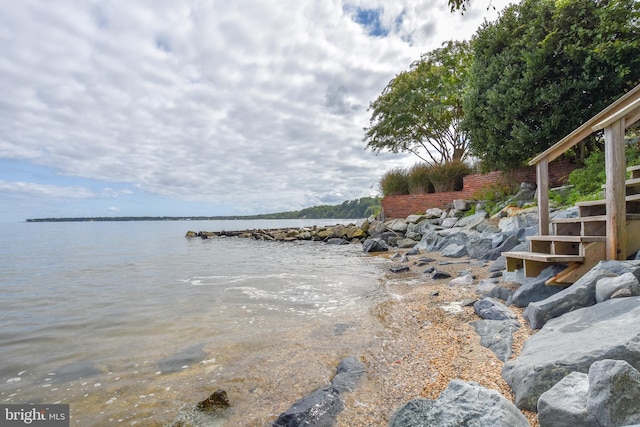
x: 535, y: 288
x: 499, y: 264
x: 399, y: 269
x: 397, y: 225
x: 374, y: 245
x: 565, y: 404
x: 465, y: 280
x: 449, y: 222
x: 438, y: 274
x: 472, y: 221
x: 608, y: 286
x: 217, y: 401
x: 348, y: 375
x: 406, y: 243
x: 454, y: 251
x: 460, y: 404
x: 497, y: 336
x: 508, y: 244
x: 461, y: 205
x: 489, y: 308
x: 477, y: 249
x: 579, y: 295
x: 319, y: 408
x: 614, y: 393
x: 414, y: 219
x: 433, y: 213
x: 356, y: 233
x: 572, y: 342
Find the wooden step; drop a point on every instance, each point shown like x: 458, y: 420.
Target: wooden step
x: 533, y: 262
x: 635, y: 171
x: 573, y: 239
x: 598, y: 207
x: 632, y: 186
x: 561, y: 245
x: 580, y: 226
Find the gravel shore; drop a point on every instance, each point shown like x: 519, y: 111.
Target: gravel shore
x: 427, y: 341
x: 414, y: 338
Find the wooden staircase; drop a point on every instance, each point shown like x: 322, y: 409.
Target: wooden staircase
x: 603, y: 229
x: 579, y: 243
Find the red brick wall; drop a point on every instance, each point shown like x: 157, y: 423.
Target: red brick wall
x: 405, y: 205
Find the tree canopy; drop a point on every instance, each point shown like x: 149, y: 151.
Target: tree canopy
x: 542, y: 69
x: 419, y: 111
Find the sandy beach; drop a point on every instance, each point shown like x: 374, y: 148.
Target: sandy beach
x: 415, y: 337
x: 427, y: 342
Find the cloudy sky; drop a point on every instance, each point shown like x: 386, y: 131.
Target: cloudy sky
x: 201, y: 107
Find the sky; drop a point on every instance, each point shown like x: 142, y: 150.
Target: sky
x: 202, y: 107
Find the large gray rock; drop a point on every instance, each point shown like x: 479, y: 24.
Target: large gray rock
x: 479, y: 248
x: 414, y: 219
x: 572, y: 343
x: 581, y: 294
x: 491, y: 309
x: 321, y: 407
x: 460, y: 404
x: 608, y: 396
x: 374, y: 245
x: 348, y: 375
x: 535, y: 289
x: 497, y: 336
x: 405, y: 243
x: 397, y: 225
x: 461, y: 205
x: 508, y: 244
x: 614, y: 393
x: 430, y: 241
x: 511, y: 225
x: 433, y: 213
x: 454, y: 251
x: 318, y: 409
x: 606, y: 287
x: 472, y: 221
x: 449, y: 222
x: 565, y: 404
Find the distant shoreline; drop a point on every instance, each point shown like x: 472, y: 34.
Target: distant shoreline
x: 170, y: 218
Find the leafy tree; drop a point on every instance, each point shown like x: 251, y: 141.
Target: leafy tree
x: 420, y: 110
x: 542, y: 69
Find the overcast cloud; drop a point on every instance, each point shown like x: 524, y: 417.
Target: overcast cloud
x: 188, y: 107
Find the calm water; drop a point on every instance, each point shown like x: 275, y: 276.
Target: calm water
x: 129, y: 322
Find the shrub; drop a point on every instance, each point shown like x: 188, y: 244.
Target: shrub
x: 395, y: 182
x: 419, y: 179
x: 448, y: 176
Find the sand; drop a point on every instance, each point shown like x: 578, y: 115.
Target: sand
x: 427, y: 341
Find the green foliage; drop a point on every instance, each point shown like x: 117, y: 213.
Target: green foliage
x: 420, y: 110
x: 495, y: 195
x: 358, y: 208
x: 542, y: 69
x: 587, y: 181
x: 395, y: 182
x: 448, y: 176
x: 419, y: 179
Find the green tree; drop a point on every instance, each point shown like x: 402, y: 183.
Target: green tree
x: 420, y: 110
x: 542, y: 69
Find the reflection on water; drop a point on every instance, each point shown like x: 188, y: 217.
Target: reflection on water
x: 131, y: 322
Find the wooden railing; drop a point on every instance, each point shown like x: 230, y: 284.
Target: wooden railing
x: 614, y: 119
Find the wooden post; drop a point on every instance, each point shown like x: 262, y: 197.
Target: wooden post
x: 615, y: 165
x: 542, y: 180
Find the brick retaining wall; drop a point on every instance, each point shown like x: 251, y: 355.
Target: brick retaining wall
x: 409, y: 204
